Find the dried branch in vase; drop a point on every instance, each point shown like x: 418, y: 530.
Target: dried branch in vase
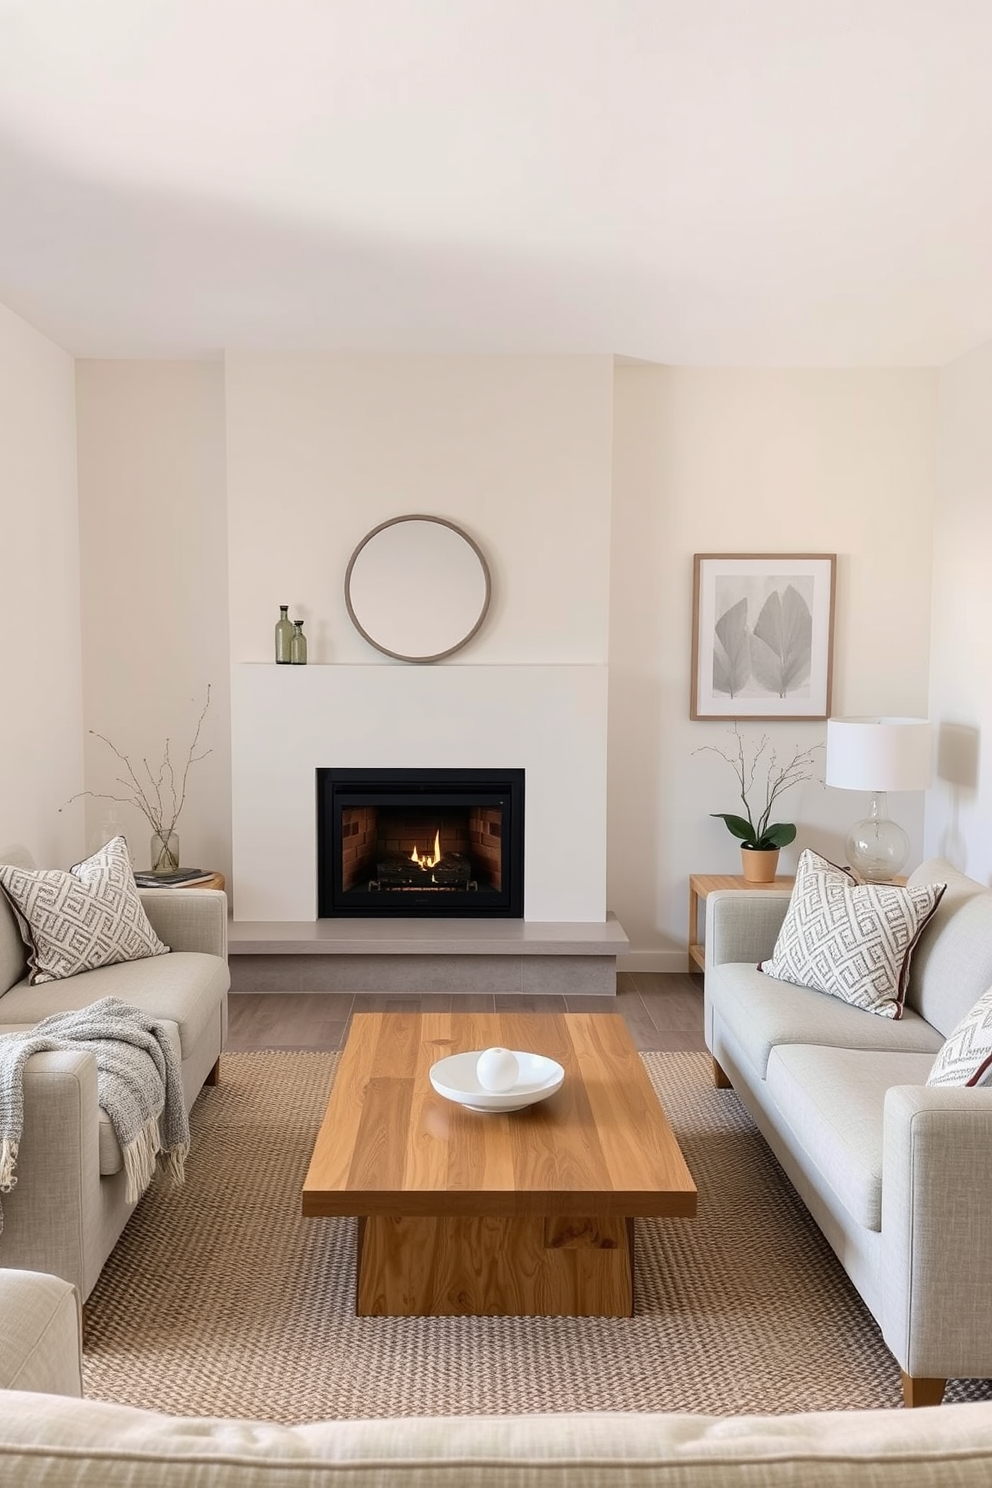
x: 158, y: 792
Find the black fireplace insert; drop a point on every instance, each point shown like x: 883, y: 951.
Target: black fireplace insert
x: 420, y: 842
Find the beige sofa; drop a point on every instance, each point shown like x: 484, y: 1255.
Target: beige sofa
x: 898, y: 1175
x: 65, y: 1442
x: 68, y: 1206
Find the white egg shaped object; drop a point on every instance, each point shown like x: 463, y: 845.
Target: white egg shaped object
x: 497, y: 1070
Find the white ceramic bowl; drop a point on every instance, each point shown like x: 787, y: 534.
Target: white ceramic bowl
x: 456, y: 1078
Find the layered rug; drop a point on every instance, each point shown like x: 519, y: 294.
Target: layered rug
x: 221, y: 1299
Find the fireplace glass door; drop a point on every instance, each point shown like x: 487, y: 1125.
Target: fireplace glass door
x: 420, y: 842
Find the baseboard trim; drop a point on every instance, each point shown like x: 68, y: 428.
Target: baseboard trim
x: 664, y: 961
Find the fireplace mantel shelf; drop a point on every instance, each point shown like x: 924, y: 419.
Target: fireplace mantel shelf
x: 426, y: 937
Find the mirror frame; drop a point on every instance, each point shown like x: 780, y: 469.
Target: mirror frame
x: 471, y: 543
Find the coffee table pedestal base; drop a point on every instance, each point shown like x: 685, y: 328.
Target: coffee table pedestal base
x: 522, y: 1266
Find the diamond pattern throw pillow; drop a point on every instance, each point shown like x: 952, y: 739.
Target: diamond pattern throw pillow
x: 966, y: 1057
x: 90, y: 916
x: 848, y: 939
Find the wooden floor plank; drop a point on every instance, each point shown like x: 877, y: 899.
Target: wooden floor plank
x: 663, y: 1011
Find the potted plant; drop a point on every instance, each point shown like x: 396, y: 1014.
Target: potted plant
x: 762, y: 839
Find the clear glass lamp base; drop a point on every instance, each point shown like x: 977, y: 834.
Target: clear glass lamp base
x: 877, y: 848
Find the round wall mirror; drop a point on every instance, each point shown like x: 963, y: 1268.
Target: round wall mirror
x: 417, y: 588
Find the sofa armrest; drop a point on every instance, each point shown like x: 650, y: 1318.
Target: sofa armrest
x: 40, y: 1334
x: 936, y: 1238
x: 189, y: 919
x: 743, y: 924
x: 52, y: 1218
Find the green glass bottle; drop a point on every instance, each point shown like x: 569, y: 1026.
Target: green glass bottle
x: 284, y: 637
x: 298, y: 645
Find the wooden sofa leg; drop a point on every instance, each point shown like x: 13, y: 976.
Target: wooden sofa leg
x: 213, y: 1078
x: 720, y: 1079
x: 921, y: 1391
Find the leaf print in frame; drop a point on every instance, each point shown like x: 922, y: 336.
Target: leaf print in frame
x: 762, y: 635
x: 731, y: 651
x: 782, y: 643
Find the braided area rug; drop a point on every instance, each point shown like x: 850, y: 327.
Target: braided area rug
x: 221, y: 1299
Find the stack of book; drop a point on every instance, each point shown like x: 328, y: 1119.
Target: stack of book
x: 182, y: 878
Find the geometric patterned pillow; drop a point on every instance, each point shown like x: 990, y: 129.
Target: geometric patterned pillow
x: 87, y: 917
x: 851, y: 940
x: 966, y: 1057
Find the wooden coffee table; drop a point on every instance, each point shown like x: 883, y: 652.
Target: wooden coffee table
x: 526, y: 1213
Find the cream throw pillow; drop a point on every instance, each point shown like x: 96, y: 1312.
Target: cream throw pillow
x: 90, y: 916
x: 966, y: 1057
x: 853, y: 941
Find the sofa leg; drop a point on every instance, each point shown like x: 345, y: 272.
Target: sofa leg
x: 213, y: 1078
x: 720, y: 1079
x: 921, y: 1391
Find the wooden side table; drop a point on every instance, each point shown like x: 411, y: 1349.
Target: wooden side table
x: 703, y: 884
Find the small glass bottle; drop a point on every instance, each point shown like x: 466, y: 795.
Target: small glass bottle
x: 284, y: 637
x: 298, y: 645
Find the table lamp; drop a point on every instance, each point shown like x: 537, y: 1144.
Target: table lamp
x: 878, y: 755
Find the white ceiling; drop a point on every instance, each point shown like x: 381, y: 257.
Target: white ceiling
x: 736, y: 182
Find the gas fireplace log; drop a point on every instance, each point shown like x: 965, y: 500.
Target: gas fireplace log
x: 454, y: 870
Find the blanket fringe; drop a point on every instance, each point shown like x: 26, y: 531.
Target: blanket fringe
x: 139, y: 1160
x: 8, y: 1161
x: 175, y: 1163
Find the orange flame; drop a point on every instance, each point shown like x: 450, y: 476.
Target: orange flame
x: 426, y: 860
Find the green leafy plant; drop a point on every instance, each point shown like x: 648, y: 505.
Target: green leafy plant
x: 755, y: 828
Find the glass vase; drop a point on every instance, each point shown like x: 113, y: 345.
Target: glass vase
x: 165, y: 852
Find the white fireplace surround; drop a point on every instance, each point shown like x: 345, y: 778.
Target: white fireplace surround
x: 548, y: 720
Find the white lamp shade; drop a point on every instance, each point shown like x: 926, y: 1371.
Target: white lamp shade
x: 878, y: 754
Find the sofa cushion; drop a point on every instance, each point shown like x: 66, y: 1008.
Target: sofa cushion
x: 853, y: 941
x: 87, y: 917
x: 186, y: 988
x: 833, y: 1101
x: 952, y: 964
x: 95, y: 1444
x: 761, y: 1011
x: 966, y: 1058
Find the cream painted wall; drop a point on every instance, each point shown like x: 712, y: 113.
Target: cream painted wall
x: 959, y: 815
x: 517, y: 450
x: 41, y: 758
x: 754, y: 461
x: 153, y: 531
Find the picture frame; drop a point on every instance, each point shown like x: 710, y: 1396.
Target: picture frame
x: 762, y: 635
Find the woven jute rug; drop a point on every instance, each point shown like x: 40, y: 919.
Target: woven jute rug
x: 221, y: 1299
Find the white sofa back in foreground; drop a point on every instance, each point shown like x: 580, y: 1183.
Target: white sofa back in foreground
x: 59, y: 1440
x: 62, y: 1443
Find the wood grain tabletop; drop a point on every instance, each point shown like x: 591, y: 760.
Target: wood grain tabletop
x: 390, y: 1145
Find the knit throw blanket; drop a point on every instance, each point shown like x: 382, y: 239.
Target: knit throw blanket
x: 138, y: 1081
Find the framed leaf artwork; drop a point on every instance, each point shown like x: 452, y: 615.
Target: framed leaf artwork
x: 762, y: 635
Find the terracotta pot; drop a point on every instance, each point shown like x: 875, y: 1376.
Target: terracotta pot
x: 760, y: 864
